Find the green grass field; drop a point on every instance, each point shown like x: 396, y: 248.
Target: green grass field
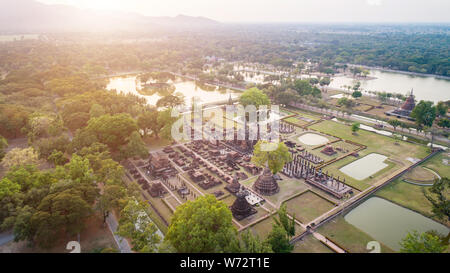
x: 309, y: 244
x: 375, y: 144
x: 435, y: 163
x: 308, y: 206
x: 348, y: 236
x: 288, y: 187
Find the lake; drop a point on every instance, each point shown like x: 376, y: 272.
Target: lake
x: 189, y: 89
x: 425, y: 87
x: 389, y: 223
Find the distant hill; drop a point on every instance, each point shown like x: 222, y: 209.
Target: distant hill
x: 24, y: 16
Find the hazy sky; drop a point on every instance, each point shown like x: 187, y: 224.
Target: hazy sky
x: 282, y: 10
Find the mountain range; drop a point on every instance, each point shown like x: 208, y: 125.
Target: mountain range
x: 28, y: 16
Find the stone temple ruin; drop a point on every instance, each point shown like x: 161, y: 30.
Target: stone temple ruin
x: 328, y: 150
x: 286, y: 128
x: 241, y: 208
x: 234, y: 186
x: 266, y: 184
x: 309, y: 157
x: 405, y: 110
x: 302, y: 169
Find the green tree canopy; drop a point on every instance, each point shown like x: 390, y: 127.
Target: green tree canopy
x: 275, y: 157
x: 279, y: 240
x: 437, y: 195
x: 149, y: 121
x: 421, y: 243
x: 3, y: 146
x: 136, y: 225
x: 254, y: 96
x: 112, y: 130
x: 202, y: 226
x: 424, y: 113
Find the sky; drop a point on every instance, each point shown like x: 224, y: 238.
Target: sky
x: 281, y: 10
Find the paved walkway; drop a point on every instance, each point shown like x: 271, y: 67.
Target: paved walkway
x: 121, y: 242
x: 330, y: 244
x: 6, y: 238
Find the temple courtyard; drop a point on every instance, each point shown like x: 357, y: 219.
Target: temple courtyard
x: 331, y: 168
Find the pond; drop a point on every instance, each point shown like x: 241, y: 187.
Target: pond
x: 312, y: 139
x: 389, y: 223
x: 365, y: 167
x: 189, y: 89
x: 425, y: 87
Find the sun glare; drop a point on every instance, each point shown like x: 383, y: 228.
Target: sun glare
x: 99, y: 4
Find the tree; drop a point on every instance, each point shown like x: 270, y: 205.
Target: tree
x: 254, y: 96
x: 355, y: 127
x: 438, y: 198
x: 149, y: 121
x: 421, y: 243
x: 202, y: 226
x: 77, y: 120
x: 284, y: 221
x: 8, y: 188
x: 112, y: 130
x: 22, y: 229
x: 443, y: 122
x: 394, y: 123
x: 111, y: 199
x: 57, y: 158
x: 357, y: 94
x: 441, y: 109
x: 3, y: 146
x: 252, y: 244
x: 170, y: 101
x: 288, y: 97
x: 58, y: 213
x: 275, y: 157
x: 278, y: 240
x: 325, y: 81
x: 20, y: 157
x: 424, y: 113
x: 96, y: 111
x: 166, y: 120
x: 348, y: 103
x: 136, y: 225
x: 134, y: 147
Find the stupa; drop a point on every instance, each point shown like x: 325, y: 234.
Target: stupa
x: 328, y: 150
x: 241, y: 208
x: 266, y: 183
x: 405, y: 110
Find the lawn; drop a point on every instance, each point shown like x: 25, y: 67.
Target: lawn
x: 435, y: 163
x: 360, y: 184
x: 348, y: 236
x: 420, y: 174
x: 409, y: 196
x: 308, y: 206
x: 264, y: 227
x: 296, y: 120
x: 375, y: 144
x: 288, y: 187
x: 309, y: 244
